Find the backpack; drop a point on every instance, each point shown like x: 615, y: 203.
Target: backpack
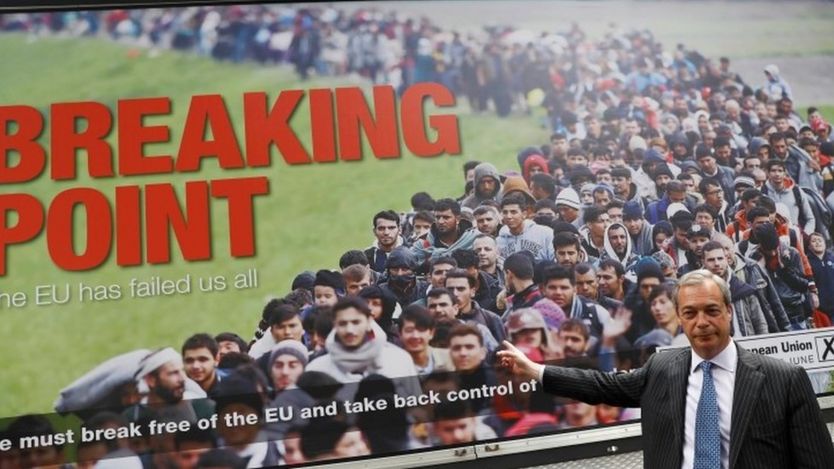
x: 822, y: 212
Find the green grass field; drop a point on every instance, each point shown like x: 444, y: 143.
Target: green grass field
x: 313, y: 214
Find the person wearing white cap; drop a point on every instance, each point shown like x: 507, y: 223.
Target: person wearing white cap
x: 568, y: 205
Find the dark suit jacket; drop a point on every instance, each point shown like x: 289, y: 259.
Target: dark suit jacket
x: 776, y: 421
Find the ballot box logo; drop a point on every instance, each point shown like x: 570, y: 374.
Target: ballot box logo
x: 825, y: 348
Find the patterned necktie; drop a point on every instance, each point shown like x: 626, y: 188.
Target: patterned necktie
x: 707, y: 432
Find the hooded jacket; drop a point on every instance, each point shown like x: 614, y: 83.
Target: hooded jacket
x: 375, y: 356
x: 530, y: 162
x: 752, y: 274
x: 643, y: 243
x: 748, y: 315
x: 482, y: 171
x: 629, y: 258
x: 534, y: 238
x: 798, y: 208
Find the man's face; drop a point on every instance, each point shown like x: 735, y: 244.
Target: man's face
x: 285, y: 371
x: 546, y: 212
x: 351, y: 327
x: 168, y: 382
x: 290, y: 329
x: 605, y: 178
x: 199, y: 364
x: 530, y: 338
x: 586, y: 284
x: 421, y: 227
x: 487, y: 222
x: 780, y: 148
x: 573, y: 342
x: 351, y: 445
x: 619, y: 240
x: 707, y: 164
x: 446, y: 222
x: 324, y: 295
x: 455, y: 431
x: 759, y: 221
x: 716, y: 262
x: 568, y: 214
x: 615, y: 214
x: 632, y: 128
x: 467, y: 352
x: 776, y: 175
x: 646, y: 286
x: 353, y: 286
x: 513, y: 216
x: 415, y: 340
x: 714, y: 196
x: 560, y: 291
x: 622, y: 185
x: 226, y: 346
x: 723, y: 153
x: 705, y: 318
x: 487, y: 253
x: 704, y: 220
x: 559, y: 147
x: 680, y: 238
x: 487, y: 185
x: 817, y: 245
x: 460, y: 287
x: 661, y: 180
x: 753, y: 163
x: 696, y: 244
x: 609, y: 283
x: 442, y: 307
x: 597, y: 227
x: 813, y: 151
x: 438, y: 274
x: 633, y: 225
x: 386, y: 232
x: 567, y: 256
x: 601, y: 198
x: 677, y: 196
x: 575, y: 161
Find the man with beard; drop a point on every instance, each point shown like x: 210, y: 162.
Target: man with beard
x: 402, y: 281
x: 448, y: 234
x: 487, y: 186
x: 611, y: 280
x: 488, y: 220
x: 587, y: 286
x: 487, y: 251
x: 162, y: 374
x: 617, y: 245
x: 200, y: 355
x: 387, y: 233
x: 522, y: 291
x: 459, y: 282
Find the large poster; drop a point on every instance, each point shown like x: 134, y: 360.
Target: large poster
x: 269, y: 234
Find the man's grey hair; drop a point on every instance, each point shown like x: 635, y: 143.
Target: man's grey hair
x: 698, y: 277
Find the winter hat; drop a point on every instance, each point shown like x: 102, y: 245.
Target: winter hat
x: 744, y: 181
x: 332, y: 279
x: 648, y: 267
x: 400, y: 257
x: 697, y: 230
x: 305, y: 280
x: 653, y: 156
x: 664, y: 260
x: 632, y: 210
x: 525, y: 318
x: 662, y: 168
x: 637, y: 142
x: 587, y: 187
x: 526, y: 153
x: 689, y: 166
x: 765, y: 236
x: 517, y: 184
x: 580, y: 172
x: 675, y: 208
x: 560, y: 226
x: 569, y: 198
x: 289, y: 347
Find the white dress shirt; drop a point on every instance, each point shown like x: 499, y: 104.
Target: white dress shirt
x: 724, y: 378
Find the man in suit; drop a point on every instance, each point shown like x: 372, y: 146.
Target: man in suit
x: 738, y: 410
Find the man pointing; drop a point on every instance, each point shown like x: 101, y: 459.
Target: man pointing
x: 714, y: 405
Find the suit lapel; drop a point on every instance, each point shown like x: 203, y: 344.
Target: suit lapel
x: 678, y: 381
x: 745, y: 395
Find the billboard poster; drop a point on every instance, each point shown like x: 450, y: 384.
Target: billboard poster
x: 264, y: 234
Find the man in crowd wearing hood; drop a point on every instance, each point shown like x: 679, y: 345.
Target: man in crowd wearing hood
x: 417, y: 326
x: 617, y: 245
x: 639, y: 229
x: 285, y: 323
x: 486, y: 249
x: 448, y: 234
x: 521, y: 234
x: 462, y: 285
x: 387, y: 233
x: 711, y: 169
x: 162, y: 373
x: 593, y: 233
x: 559, y: 285
x: 402, y: 281
x: 523, y: 292
x: 568, y: 205
x: 748, y: 317
x: 357, y: 346
x: 661, y: 175
x: 487, y: 186
x: 200, y: 357
x: 775, y: 87
x: 487, y: 219
x: 782, y: 265
x: 782, y: 189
